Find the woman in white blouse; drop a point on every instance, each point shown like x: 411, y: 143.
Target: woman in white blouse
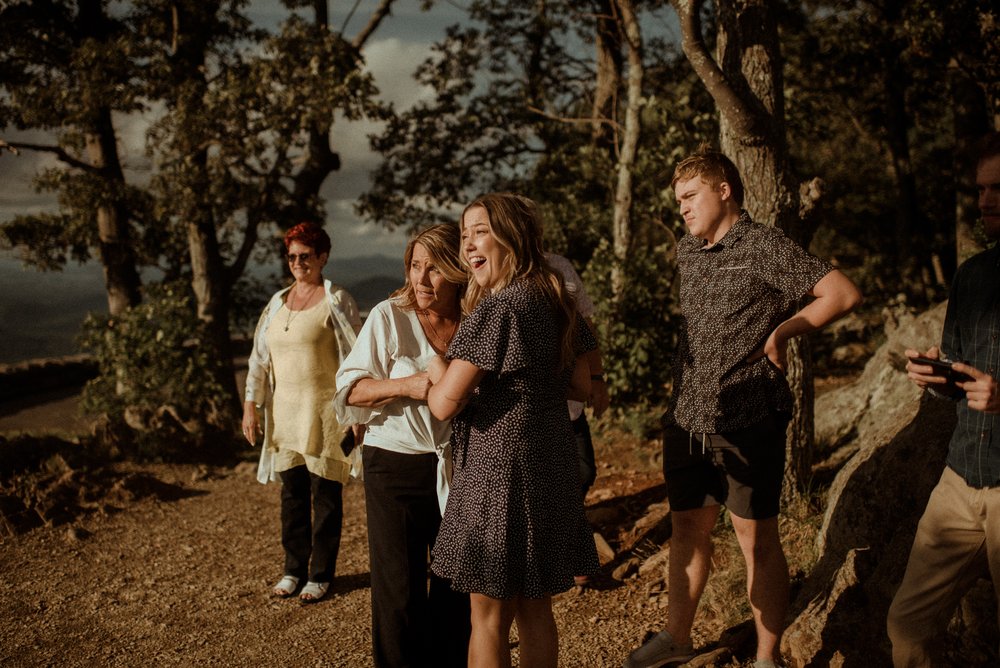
x: 383, y: 384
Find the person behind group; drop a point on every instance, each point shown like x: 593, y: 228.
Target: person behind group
x: 598, y: 398
x: 724, y: 434
x: 302, y: 337
x: 958, y: 537
x: 383, y: 384
x: 513, y: 532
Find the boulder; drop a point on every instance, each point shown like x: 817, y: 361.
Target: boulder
x: 851, y: 413
x: 900, y: 437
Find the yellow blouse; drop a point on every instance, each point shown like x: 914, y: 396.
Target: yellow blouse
x: 304, y: 425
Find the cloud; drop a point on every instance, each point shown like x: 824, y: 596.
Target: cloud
x: 353, y: 237
x: 392, y: 63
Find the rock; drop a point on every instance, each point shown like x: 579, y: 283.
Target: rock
x: 604, y: 552
x: 625, y: 569
x: 901, y: 437
x: 656, y: 563
x: 851, y: 412
x: 604, y: 515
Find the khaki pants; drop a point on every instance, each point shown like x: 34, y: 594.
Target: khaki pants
x: 957, y: 542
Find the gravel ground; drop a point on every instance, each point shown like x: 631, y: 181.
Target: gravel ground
x: 177, y: 571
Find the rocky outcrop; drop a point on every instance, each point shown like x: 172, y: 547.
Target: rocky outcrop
x: 899, y: 436
x: 850, y: 415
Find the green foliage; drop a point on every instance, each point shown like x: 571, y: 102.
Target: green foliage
x: 639, y: 334
x: 511, y: 111
x: 872, y: 109
x: 157, y: 387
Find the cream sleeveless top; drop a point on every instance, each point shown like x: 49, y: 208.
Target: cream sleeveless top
x: 305, y: 362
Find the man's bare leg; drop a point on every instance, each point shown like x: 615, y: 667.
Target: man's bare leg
x: 690, y: 564
x: 767, y: 580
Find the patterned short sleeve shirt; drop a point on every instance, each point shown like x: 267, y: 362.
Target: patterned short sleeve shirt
x: 733, y: 294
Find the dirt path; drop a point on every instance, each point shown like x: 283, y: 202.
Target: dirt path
x: 176, y: 570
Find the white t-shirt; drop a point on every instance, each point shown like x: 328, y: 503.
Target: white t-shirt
x: 584, y: 307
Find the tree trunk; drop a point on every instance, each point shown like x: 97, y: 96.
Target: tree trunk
x: 911, y: 234
x: 320, y: 159
x: 121, y: 277
x: 608, y: 42
x: 210, y: 279
x: 971, y: 121
x: 749, y: 51
x: 622, y: 222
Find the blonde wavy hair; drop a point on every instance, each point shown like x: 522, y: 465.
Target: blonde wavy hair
x: 442, y: 243
x: 516, y: 226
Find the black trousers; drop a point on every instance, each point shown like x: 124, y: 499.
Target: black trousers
x: 585, y: 451
x: 312, y: 511
x: 417, y: 619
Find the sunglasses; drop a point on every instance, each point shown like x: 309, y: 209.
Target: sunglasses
x: 301, y: 257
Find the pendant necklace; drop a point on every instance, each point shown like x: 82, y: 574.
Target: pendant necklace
x: 440, y: 339
x: 292, y: 313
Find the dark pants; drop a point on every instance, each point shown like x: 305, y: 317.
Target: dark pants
x: 312, y: 510
x: 413, y: 625
x: 585, y: 451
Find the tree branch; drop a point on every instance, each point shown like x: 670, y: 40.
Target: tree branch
x: 380, y: 13
x: 739, y: 115
x: 563, y: 119
x: 58, y: 151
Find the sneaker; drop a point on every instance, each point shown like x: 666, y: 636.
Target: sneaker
x: 659, y: 651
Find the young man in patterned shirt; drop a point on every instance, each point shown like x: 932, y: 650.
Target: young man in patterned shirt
x: 724, y: 435
x: 958, y: 538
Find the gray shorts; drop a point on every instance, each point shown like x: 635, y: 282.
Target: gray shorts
x: 741, y: 469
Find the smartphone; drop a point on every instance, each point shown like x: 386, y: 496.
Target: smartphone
x: 943, y: 368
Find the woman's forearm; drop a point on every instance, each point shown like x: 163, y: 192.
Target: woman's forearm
x: 372, y: 393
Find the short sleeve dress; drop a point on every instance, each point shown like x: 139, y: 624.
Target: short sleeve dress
x: 514, y: 523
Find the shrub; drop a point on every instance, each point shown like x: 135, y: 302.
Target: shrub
x: 157, y: 387
x: 638, y: 331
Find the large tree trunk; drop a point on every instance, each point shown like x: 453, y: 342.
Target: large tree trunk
x: 210, y: 279
x: 121, y: 277
x: 608, y: 43
x: 320, y: 159
x: 622, y: 222
x: 745, y: 80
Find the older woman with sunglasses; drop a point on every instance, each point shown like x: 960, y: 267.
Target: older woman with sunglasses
x: 302, y: 337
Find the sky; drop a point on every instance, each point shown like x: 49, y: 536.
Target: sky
x: 403, y: 40
x: 40, y: 313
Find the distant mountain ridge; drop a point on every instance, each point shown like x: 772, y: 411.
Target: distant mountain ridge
x: 41, y: 312
x: 373, y: 278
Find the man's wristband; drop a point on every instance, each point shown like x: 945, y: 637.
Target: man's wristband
x: 597, y: 376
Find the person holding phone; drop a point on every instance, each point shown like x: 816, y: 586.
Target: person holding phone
x: 958, y: 537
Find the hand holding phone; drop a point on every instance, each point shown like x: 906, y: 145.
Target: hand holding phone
x: 942, y: 368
